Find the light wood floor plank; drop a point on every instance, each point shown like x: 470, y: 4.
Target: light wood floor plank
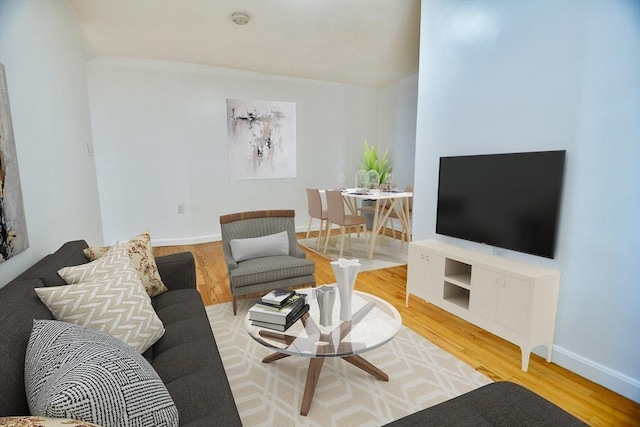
x: 487, y: 353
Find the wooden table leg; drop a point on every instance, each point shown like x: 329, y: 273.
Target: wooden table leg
x: 375, y: 229
x: 406, y: 223
x: 315, y: 366
x: 369, y: 368
x: 273, y: 357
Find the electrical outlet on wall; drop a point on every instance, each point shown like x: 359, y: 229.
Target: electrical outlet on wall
x: 499, y: 251
x: 180, y: 209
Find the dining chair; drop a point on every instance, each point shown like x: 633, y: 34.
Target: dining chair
x: 314, y: 202
x: 336, y: 215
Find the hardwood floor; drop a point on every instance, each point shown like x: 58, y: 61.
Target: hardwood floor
x: 494, y: 357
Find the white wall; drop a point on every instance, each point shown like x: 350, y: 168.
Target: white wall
x: 160, y: 138
x: 397, y: 103
x: 42, y: 51
x: 538, y: 75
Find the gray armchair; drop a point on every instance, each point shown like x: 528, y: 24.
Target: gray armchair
x: 264, y: 273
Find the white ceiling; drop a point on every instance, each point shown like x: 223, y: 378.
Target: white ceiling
x: 362, y: 42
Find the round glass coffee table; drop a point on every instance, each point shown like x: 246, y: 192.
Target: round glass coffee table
x: 374, y: 322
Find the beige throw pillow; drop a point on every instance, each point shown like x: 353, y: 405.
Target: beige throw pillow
x: 106, y: 295
x: 141, y: 253
x: 35, y: 421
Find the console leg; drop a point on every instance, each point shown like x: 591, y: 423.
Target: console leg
x: 526, y: 353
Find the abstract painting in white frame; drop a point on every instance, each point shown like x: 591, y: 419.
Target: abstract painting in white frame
x: 13, y: 223
x: 261, y: 139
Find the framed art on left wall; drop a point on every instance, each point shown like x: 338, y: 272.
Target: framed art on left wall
x: 13, y: 223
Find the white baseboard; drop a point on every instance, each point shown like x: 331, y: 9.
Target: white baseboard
x: 303, y: 228
x: 186, y: 240
x: 600, y: 374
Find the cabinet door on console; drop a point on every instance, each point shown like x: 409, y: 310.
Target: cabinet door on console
x: 434, y: 273
x: 415, y: 272
x: 501, y: 298
x: 424, y: 277
x: 484, y: 295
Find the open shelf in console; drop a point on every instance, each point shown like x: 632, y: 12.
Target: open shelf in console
x: 457, y: 273
x: 456, y: 295
x: 457, y: 283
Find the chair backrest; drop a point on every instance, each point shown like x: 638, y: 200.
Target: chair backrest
x: 315, y: 203
x: 244, y: 225
x: 335, y: 207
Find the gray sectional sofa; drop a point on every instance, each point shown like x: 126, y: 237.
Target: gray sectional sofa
x: 503, y: 403
x: 186, y: 358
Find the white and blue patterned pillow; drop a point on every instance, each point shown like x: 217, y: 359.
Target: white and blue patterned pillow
x: 77, y: 372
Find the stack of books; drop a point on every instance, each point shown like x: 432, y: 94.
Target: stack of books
x: 278, y: 310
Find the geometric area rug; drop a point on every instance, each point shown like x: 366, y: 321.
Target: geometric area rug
x: 420, y: 375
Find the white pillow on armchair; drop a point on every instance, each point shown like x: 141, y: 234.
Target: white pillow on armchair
x: 257, y: 247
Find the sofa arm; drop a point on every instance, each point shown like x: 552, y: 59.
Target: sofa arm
x: 177, y: 271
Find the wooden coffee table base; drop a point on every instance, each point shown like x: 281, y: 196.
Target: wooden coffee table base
x: 313, y: 373
x: 373, y: 323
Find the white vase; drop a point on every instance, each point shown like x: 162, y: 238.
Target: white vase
x: 346, y: 271
x: 326, y: 296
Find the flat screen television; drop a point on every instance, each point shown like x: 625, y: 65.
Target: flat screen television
x: 510, y: 201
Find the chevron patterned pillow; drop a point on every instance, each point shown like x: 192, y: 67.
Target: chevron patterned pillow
x: 107, y: 295
x: 76, y: 372
x: 141, y: 253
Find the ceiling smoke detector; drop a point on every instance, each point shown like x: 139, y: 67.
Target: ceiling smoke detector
x: 240, y: 18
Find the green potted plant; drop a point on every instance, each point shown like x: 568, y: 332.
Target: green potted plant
x: 373, y: 162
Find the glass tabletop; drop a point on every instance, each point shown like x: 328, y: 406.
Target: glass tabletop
x: 374, y: 323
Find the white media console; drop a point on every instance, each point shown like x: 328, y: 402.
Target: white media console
x: 511, y: 299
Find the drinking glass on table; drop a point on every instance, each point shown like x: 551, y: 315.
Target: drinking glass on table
x: 361, y: 180
x: 341, y: 180
x: 388, y: 181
